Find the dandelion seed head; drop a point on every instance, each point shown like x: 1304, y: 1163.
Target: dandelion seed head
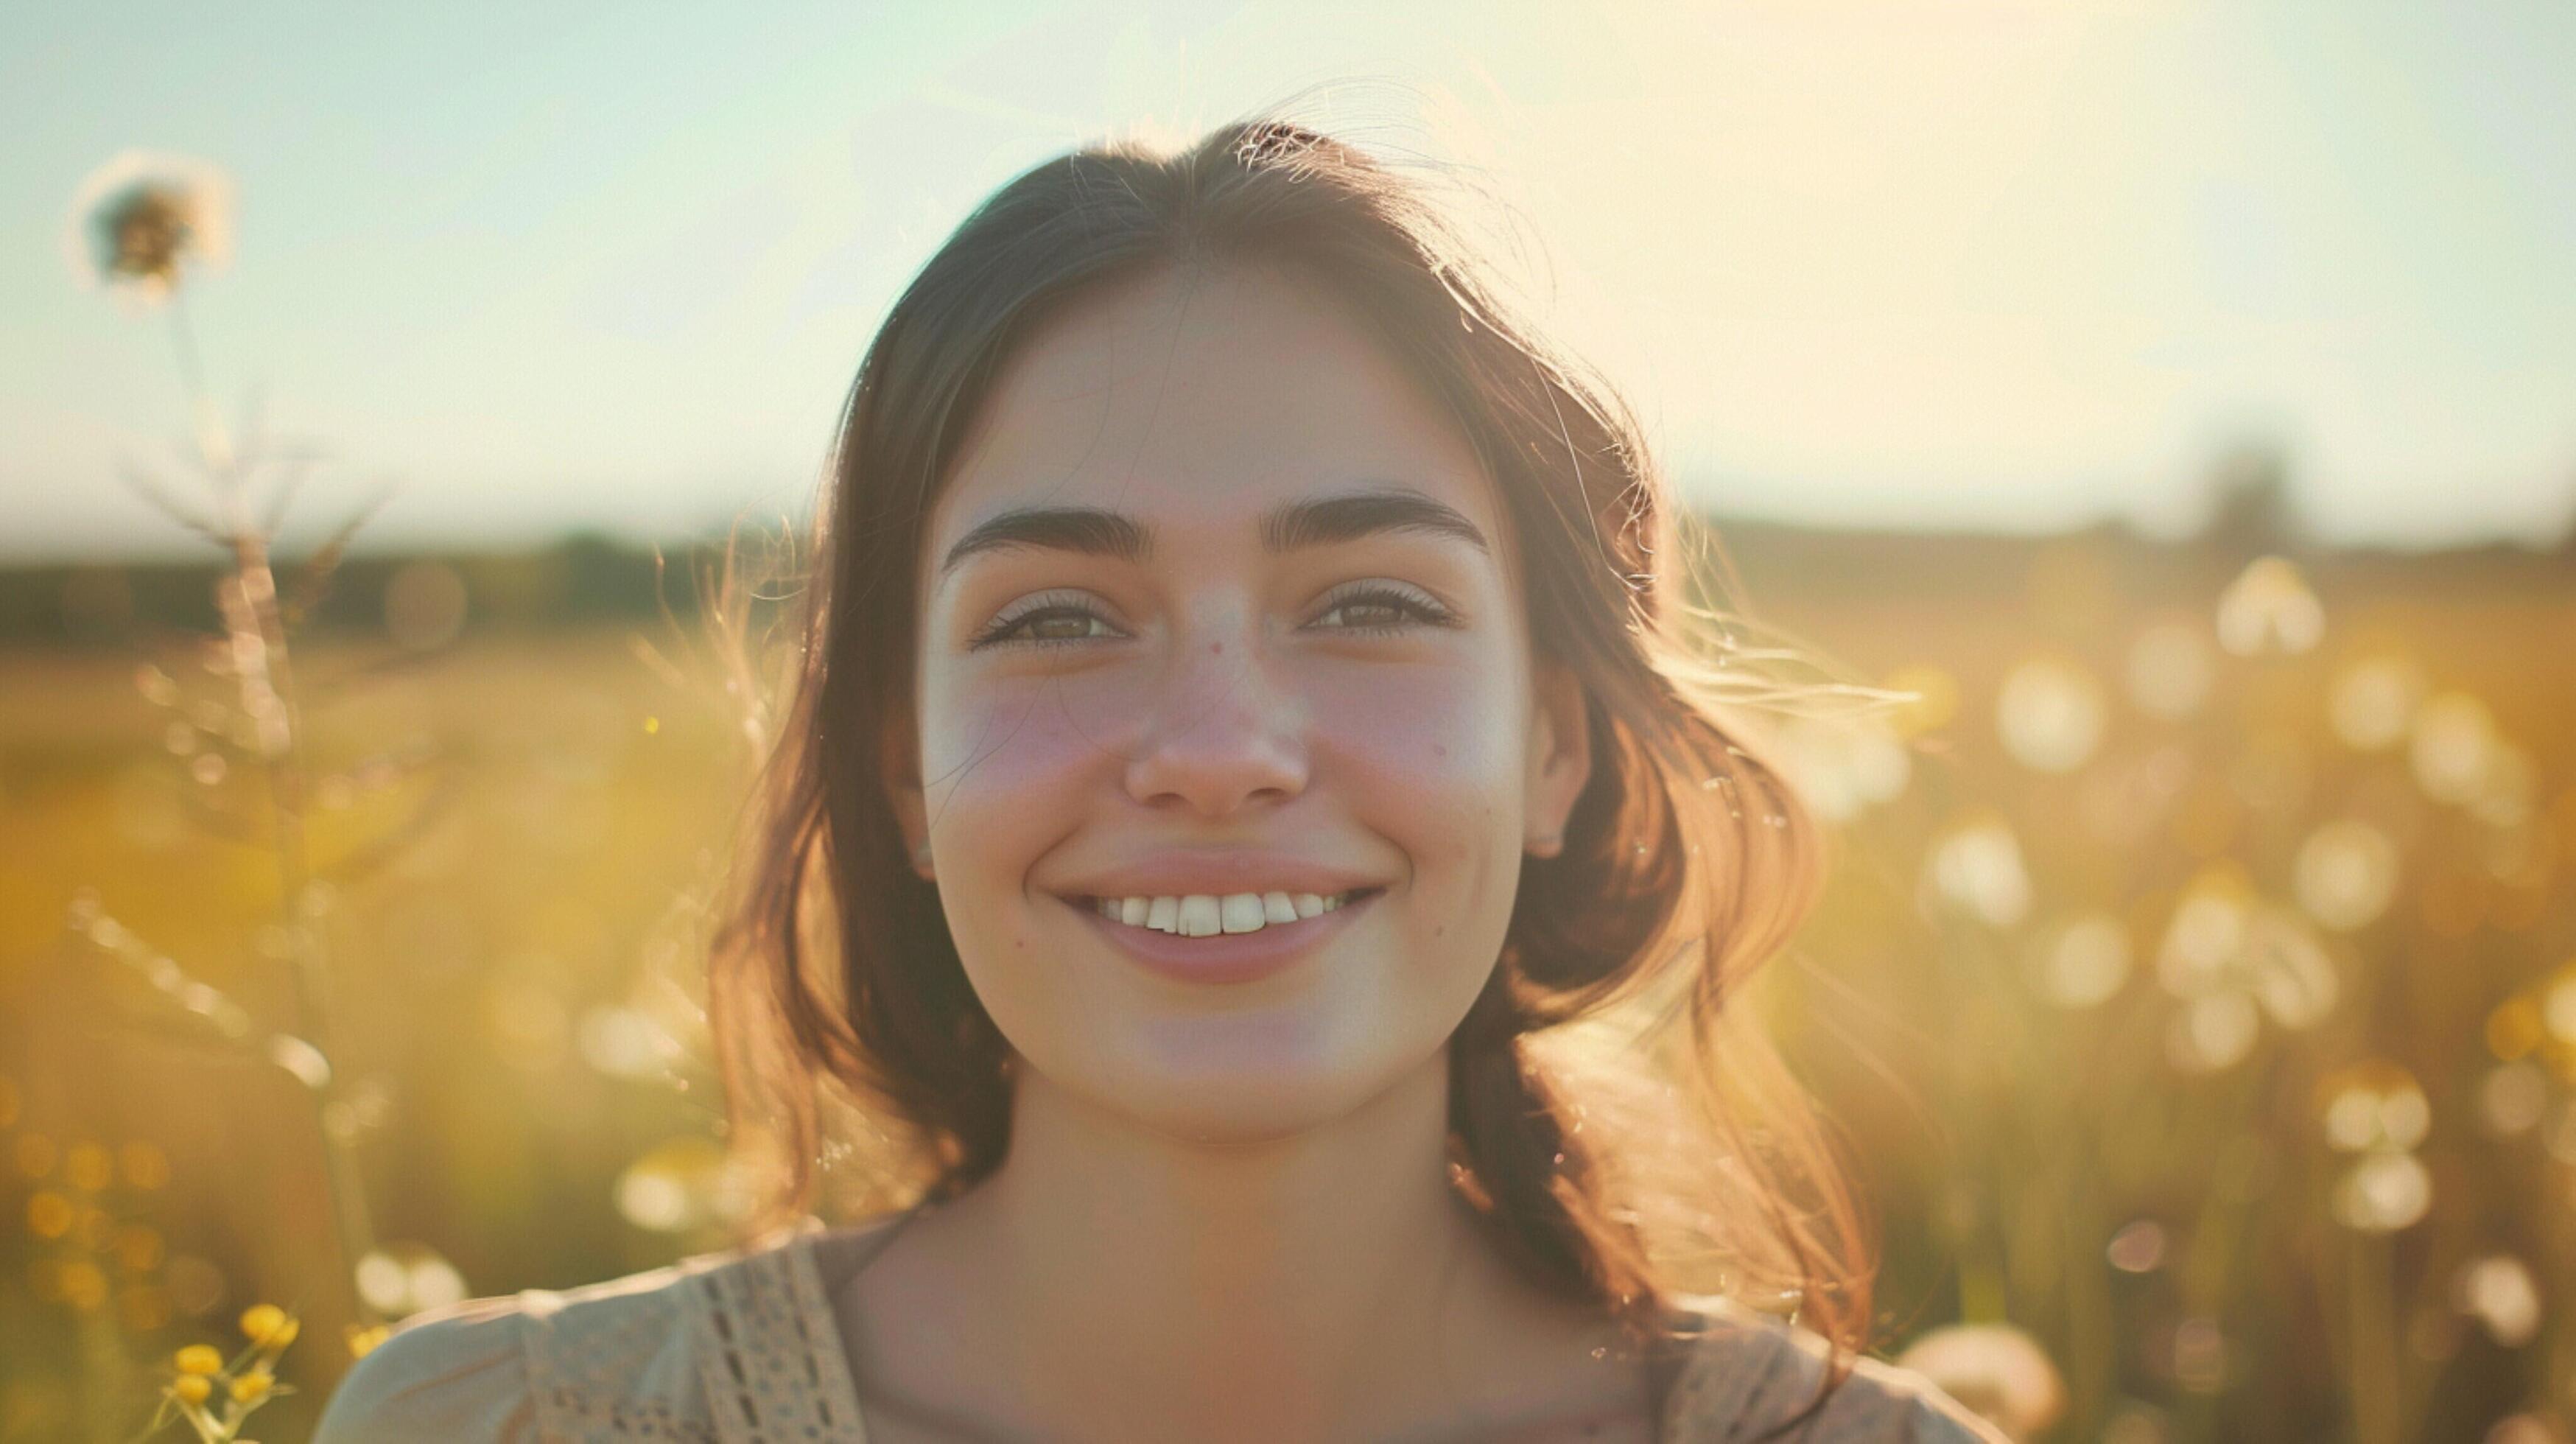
x: 145, y: 219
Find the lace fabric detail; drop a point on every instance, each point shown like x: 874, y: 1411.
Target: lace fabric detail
x: 730, y: 1348
x: 770, y: 1356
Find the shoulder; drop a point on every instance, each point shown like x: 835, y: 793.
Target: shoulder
x: 539, y: 1364
x: 452, y: 1373
x: 1746, y: 1373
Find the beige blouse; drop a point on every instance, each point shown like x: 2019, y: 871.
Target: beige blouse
x: 741, y: 1347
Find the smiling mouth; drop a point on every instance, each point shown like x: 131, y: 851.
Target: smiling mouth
x: 1203, y: 915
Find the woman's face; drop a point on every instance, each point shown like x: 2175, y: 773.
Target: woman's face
x: 1219, y: 612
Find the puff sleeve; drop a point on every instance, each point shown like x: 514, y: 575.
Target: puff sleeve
x: 1750, y: 1374
x: 453, y: 1374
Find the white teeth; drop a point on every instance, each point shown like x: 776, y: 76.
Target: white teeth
x: 1240, y: 912
x: 1199, y: 915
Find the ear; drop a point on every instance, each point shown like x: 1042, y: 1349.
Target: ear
x: 1560, y: 758
x: 899, y: 771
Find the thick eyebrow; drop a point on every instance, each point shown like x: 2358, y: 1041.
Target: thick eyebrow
x: 1320, y: 521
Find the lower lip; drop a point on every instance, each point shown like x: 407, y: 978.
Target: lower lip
x: 1224, y: 957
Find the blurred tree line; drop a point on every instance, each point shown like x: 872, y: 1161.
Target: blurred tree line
x: 592, y: 577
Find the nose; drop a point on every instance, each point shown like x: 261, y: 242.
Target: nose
x: 1220, y: 734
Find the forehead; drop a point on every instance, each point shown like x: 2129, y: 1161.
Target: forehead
x: 1203, y: 397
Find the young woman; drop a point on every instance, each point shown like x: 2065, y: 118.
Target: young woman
x: 1248, y: 813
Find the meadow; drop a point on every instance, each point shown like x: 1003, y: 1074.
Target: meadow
x: 2193, y: 989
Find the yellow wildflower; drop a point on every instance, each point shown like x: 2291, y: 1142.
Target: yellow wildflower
x: 49, y: 1214
x: 89, y: 1167
x: 200, y: 1359
x: 146, y: 1166
x: 364, y: 1338
x: 253, y: 1385
x: 259, y: 1321
x: 192, y: 1387
x: 84, y: 1287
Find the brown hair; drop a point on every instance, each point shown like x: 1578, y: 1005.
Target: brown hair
x: 1613, y: 1160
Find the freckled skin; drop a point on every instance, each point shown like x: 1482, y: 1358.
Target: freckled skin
x: 1209, y: 708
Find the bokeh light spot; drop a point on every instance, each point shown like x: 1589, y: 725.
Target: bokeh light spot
x: 2269, y: 609
x: 2050, y: 715
x: 2346, y: 874
x: 2171, y: 670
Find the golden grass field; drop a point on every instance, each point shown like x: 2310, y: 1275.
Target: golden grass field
x: 2194, y: 987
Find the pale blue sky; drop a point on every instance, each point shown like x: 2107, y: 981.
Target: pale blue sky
x: 2014, y: 263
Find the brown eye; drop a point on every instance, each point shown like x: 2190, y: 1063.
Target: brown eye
x: 1046, y: 623
x: 1374, y: 610
x: 1365, y: 615
x: 1063, y: 626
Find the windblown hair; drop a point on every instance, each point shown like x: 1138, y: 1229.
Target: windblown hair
x: 1615, y: 1159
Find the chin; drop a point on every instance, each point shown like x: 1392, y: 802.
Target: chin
x: 1233, y: 1081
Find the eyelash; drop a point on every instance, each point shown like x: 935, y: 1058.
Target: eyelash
x: 1417, y: 609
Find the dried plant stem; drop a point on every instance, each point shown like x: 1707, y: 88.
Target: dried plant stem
x: 214, y: 443
x: 2374, y: 1363
x: 308, y: 954
x: 263, y: 672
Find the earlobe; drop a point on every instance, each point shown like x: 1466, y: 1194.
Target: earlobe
x: 899, y: 773
x: 1560, y: 758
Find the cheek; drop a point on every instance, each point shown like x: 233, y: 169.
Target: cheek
x: 1431, y: 759
x: 1002, y: 766
x: 1444, y: 730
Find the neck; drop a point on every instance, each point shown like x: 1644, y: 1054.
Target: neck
x: 1324, y: 1284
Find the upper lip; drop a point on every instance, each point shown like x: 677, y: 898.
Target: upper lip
x: 1218, y: 874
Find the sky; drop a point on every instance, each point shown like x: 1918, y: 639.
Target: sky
x: 1949, y: 264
